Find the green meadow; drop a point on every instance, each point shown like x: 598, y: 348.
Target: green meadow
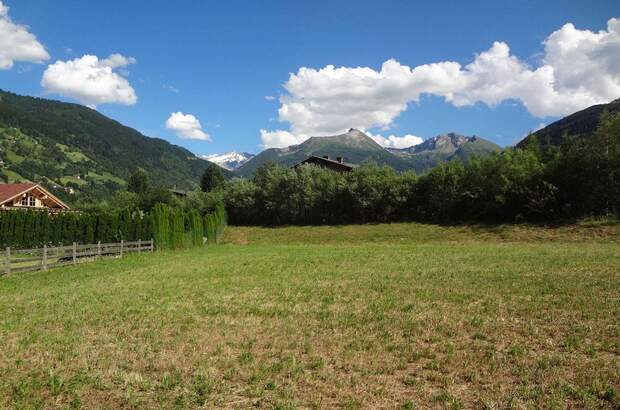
x: 373, y: 316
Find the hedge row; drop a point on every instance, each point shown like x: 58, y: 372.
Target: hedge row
x: 170, y: 228
x: 175, y: 229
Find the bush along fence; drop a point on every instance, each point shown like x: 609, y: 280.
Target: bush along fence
x: 26, y: 260
x: 171, y: 228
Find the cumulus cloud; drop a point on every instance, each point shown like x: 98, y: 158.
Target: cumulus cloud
x: 17, y: 43
x: 393, y: 141
x: 90, y: 80
x: 579, y: 68
x: 118, y: 60
x: 280, y: 138
x: 186, y: 126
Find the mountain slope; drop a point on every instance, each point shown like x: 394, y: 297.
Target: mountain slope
x: 72, y: 147
x: 579, y: 124
x: 355, y: 146
x: 444, y: 148
x: 229, y: 160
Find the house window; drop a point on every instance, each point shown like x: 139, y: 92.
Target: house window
x: 29, y: 201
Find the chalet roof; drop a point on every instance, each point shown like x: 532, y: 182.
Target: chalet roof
x: 316, y: 158
x: 333, y: 161
x: 12, y: 191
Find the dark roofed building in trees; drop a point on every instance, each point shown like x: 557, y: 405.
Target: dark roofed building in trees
x: 325, y: 161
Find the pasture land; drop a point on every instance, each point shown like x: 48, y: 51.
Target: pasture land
x: 375, y: 316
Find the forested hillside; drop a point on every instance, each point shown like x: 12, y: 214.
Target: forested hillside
x: 582, y: 123
x: 72, y: 148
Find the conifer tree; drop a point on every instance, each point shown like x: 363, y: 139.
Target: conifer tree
x: 18, y: 228
x: 160, y: 222
x: 177, y: 229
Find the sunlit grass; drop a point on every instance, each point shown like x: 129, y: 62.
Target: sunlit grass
x: 405, y: 315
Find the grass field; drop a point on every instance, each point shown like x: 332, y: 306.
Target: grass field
x: 384, y: 316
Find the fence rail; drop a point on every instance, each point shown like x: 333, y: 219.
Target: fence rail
x: 28, y: 260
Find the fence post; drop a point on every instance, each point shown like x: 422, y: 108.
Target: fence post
x: 7, y: 263
x: 122, y: 247
x: 99, y: 249
x: 74, y: 252
x: 139, y: 245
x: 152, y: 244
x: 44, y: 261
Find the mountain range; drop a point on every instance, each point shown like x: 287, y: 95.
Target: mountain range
x: 356, y: 147
x: 442, y: 148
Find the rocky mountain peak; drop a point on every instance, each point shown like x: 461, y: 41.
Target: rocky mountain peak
x: 355, y: 133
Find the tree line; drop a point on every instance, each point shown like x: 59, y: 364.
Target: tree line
x: 532, y: 183
x: 171, y: 228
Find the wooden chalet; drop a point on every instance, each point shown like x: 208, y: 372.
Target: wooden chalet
x: 325, y: 161
x: 29, y: 196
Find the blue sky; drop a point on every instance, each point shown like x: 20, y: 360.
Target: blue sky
x: 217, y: 61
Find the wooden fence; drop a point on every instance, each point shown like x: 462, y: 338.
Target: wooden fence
x: 27, y: 260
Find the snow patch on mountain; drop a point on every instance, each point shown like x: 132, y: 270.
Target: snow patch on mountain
x: 229, y: 160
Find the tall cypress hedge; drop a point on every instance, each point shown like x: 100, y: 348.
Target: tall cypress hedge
x: 214, y: 224
x: 177, y: 229
x: 170, y: 228
x: 160, y: 219
x: 196, y: 228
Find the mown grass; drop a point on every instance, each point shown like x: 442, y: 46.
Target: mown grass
x: 384, y: 316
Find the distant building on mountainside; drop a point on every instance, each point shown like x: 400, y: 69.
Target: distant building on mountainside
x: 325, y: 161
x: 29, y: 196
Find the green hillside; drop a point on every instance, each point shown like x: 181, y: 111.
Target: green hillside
x: 72, y: 148
x: 581, y: 123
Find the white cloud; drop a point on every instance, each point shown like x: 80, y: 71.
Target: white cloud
x: 280, y: 138
x: 579, y: 68
x: 117, y: 61
x: 17, y: 43
x: 270, y: 97
x: 90, y: 80
x: 186, y: 126
x: 393, y: 141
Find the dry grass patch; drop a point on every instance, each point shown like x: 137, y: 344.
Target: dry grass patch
x: 375, y: 323
x: 584, y: 231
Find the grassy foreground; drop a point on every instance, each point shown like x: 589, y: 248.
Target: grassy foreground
x: 385, y: 316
